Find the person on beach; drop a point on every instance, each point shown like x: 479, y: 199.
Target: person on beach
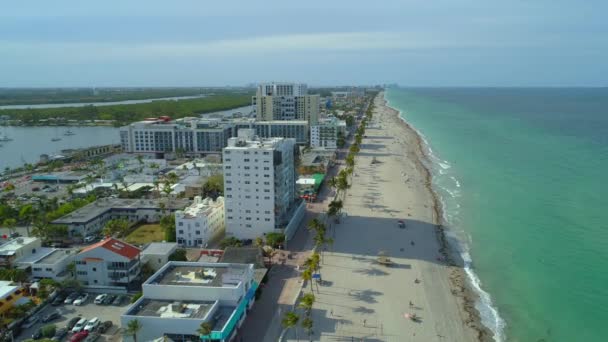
x: 412, y: 242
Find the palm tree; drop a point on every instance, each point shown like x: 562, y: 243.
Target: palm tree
x: 316, y: 225
x: 10, y: 224
x: 133, y: 327
x: 290, y: 320
x: 307, y: 325
x: 259, y: 242
x: 334, y: 208
x: 306, y: 302
x: 307, y: 277
x: 204, y: 330
x: 27, y: 213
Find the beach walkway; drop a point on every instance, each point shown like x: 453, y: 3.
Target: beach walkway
x: 362, y: 300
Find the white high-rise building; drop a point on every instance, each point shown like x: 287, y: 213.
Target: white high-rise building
x: 200, y: 222
x: 285, y: 101
x: 327, y: 133
x: 259, y: 185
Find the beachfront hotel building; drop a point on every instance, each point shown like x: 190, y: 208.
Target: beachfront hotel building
x: 182, y: 295
x: 199, y: 137
x: 285, y: 101
x: 327, y: 132
x: 260, y: 186
x: 201, y: 222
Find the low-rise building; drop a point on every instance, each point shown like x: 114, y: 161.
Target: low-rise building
x: 49, y: 263
x: 157, y: 254
x: 21, y: 247
x: 201, y: 222
x: 110, y: 263
x: 182, y: 295
x: 91, y: 218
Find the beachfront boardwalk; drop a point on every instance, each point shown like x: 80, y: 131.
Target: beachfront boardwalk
x: 362, y: 300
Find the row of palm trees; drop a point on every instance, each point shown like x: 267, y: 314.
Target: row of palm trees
x: 320, y: 239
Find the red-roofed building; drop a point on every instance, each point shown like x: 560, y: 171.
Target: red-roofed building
x: 108, y: 263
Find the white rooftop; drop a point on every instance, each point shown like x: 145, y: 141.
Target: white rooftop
x: 203, y: 207
x: 159, y: 248
x: 6, y: 288
x: 11, y: 246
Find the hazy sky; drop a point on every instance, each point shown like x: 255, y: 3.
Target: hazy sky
x: 204, y: 42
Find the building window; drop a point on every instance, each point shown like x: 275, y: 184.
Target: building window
x: 180, y: 224
x: 94, y: 269
x: 198, y: 232
x: 181, y: 231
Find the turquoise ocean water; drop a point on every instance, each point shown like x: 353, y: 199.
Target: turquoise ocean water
x: 522, y: 176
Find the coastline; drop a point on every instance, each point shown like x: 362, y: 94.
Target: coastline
x: 460, y: 286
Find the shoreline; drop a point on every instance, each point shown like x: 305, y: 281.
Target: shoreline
x: 460, y: 287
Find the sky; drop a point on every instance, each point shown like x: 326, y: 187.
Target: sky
x: 74, y: 43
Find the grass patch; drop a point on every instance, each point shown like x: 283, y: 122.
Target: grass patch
x: 146, y: 233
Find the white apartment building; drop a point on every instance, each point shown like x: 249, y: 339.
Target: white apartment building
x: 157, y: 254
x: 259, y: 185
x: 285, y: 101
x: 200, y: 223
x: 19, y: 248
x: 110, y: 263
x: 327, y: 132
x: 54, y: 265
x: 182, y: 295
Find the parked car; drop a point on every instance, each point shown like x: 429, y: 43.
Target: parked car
x: 82, y: 299
x: 37, y: 334
x: 79, y: 336
x: 90, y: 238
x: 118, y: 300
x: 92, y: 337
x: 71, y: 298
x: 72, y: 323
x: 60, y: 334
x: 58, y: 300
x: 102, y: 328
x: 109, y: 299
x: 30, y: 321
x: 53, y: 315
x: 79, y: 325
x: 99, y: 299
x: 92, y: 324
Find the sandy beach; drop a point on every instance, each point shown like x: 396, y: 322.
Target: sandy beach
x: 362, y: 300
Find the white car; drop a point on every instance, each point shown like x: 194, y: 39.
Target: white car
x: 81, y: 300
x: 99, y: 299
x: 93, y: 323
x: 79, y: 325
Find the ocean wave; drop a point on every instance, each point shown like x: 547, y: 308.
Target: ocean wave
x: 488, y: 313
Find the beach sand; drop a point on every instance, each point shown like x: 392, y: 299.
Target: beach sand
x: 360, y: 299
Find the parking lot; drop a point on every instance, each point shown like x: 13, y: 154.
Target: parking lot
x: 88, y: 311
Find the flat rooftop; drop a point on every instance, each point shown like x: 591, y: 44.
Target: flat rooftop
x: 159, y: 248
x: 103, y: 205
x: 55, y: 256
x: 171, y: 309
x: 198, y: 275
x: 11, y: 246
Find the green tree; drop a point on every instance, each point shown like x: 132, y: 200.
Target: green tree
x: 204, y: 330
x: 307, y: 302
x: 133, y: 328
x: 307, y: 277
x: 214, y: 186
x: 179, y: 255
x: 27, y: 213
x: 290, y: 320
x: 307, y: 324
x: 116, y: 227
x: 275, y: 239
x: 259, y: 242
x: 230, y: 242
x: 167, y: 224
x: 10, y: 223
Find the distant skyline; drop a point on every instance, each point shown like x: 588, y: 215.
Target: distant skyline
x: 72, y: 43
